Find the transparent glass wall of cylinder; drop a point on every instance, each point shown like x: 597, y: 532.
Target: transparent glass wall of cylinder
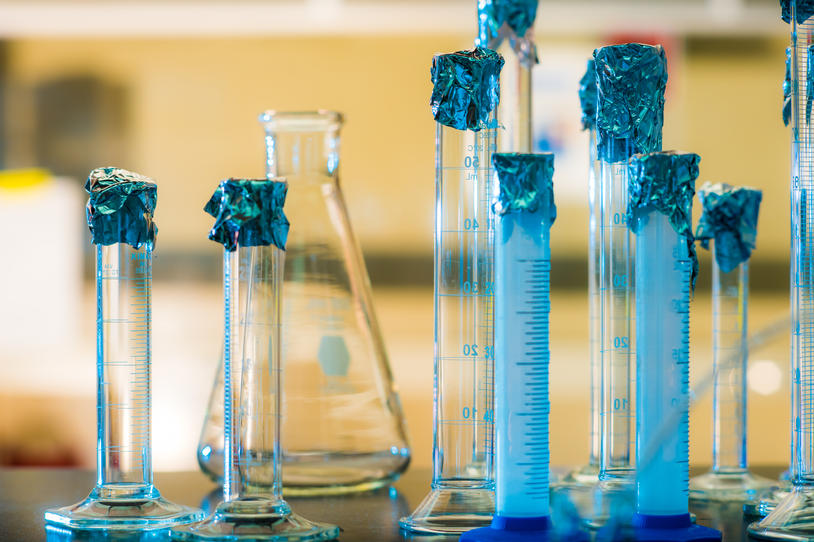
x: 617, y: 290
x: 729, y: 295
x: 123, y: 278
x: 594, y: 299
x: 464, y: 298
x: 255, y: 352
x: 802, y: 262
x: 514, y: 109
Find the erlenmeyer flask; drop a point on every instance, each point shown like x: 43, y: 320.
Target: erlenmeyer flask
x: 343, y: 426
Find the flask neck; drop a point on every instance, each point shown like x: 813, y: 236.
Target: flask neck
x: 303, y: 156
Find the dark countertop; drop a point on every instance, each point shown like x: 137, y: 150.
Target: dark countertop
x: 369, y: 517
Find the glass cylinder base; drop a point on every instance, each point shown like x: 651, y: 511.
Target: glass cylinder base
x: 764, y: 505
x: 791, y: 519
x: 587, y: 475
x: 740, y: 486
x: 452, y: 510
x: 613, y: 497
x: 106, y: 508
x: 249, y: 520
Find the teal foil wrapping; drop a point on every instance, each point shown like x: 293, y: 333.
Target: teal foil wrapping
x: 525, y: 184
x: 631, y: 79
x: 120, y: 207
x: 466, y: 88
x: 249, y: 213
x: 499, y: 20
x: 664, y: 182
x: 804, y: 9
x: 730, y: 217
x: 587, y: 96
x: 787, y: 89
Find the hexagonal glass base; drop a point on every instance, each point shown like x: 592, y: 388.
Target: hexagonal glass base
x: 452, y: 510
x: 121, y: 508
x: 738, y: 486
x: 256, y: 519
x: 791, y: 519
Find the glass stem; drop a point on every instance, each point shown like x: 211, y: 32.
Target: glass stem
x: 123, y: 282
x: 594, y: 299
x: 729, y: 359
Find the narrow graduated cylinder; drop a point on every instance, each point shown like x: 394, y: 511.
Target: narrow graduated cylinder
x: 729, y: 358
x: 120, y: 217
x: 522, y: 302
x: 617, y: 290
x: 663, y: 269
x: 123, y: 281
x: 249, y: 222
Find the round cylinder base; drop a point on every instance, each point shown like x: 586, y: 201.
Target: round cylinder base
x: 255, y: 520
x: 452, y: 510
x: 791, y: 519
x: 676, y: 528
x: 104, y: 509
x: 740, y: 486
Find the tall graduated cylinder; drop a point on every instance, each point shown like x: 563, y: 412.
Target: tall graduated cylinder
x: 630, y: 78
x: 464, y: 102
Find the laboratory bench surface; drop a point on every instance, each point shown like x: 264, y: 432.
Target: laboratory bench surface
x: 369, y: 517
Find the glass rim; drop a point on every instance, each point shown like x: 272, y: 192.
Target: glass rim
x: 298, y: 121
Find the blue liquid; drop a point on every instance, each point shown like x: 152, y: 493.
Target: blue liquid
x: 522, y: 260
x: 662, y: 360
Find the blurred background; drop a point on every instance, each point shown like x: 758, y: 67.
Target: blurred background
x: 173, y: 90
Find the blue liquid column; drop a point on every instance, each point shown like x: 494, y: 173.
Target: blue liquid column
x: 663, y: 268
x: 522, y: 306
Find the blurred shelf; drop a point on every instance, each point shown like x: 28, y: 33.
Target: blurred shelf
x: 153, y: 18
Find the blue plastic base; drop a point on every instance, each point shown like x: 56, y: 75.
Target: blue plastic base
x: 508, y: 529
x: 678, y: 528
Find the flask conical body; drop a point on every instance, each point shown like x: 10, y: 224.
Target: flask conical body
x: 343, y: 427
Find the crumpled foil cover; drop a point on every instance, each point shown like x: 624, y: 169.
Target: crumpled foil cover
x: 249, y: 213
x: 631, y: 79
x: 787, y: 89
x: 730, y: 217
x: 587, y: 96
x: 466, y: 88
x: 120, y: 207
x: 804, y: 10
x: 512, y: 19
x: 525, y: 184
x: 664, y: 182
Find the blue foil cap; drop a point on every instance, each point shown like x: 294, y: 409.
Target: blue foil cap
x: 587, y: 96
x: 120, y: 207
x: 512, y: 19
x: 249, y: 213
x: 730, y: 217
x: 525, y: 184
x: 664, y: 182
x: 466, y: 88
x: 804, y: 9
x: 631, y: 79
x: 787, y: 89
